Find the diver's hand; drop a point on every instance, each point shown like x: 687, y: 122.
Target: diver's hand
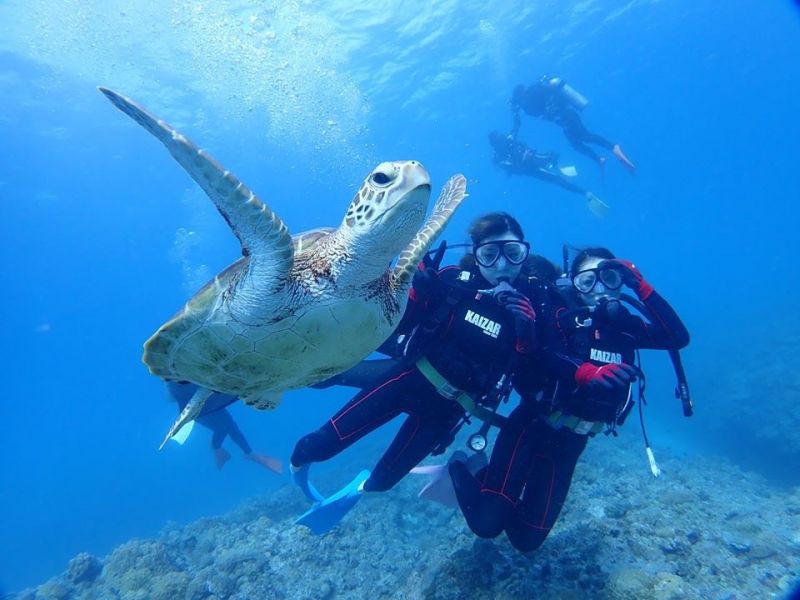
x: 426, y: 283
x: 605, y: 377
x: 631, y: 276
x: 520, y: 306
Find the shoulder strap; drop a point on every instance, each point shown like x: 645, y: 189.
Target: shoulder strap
x: 455, y: 293
x: 682, y: 386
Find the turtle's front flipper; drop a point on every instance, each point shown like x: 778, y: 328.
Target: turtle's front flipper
x: 189, y: 412
x: 454, y: 191
x: 264, y: 237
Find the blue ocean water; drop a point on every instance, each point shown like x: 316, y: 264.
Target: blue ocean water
x: 104, y: 236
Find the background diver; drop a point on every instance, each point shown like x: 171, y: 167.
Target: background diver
x: 517, y: 158
x: 553, y: 99
x: 215, y: 417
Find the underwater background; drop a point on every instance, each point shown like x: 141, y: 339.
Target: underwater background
x: 104, y: 237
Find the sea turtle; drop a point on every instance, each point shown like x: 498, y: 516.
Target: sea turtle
x: 293, y: 311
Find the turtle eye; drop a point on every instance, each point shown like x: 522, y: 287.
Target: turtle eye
x: 380, y: 178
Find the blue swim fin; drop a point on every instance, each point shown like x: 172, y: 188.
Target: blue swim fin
x: 299, y: 476
x: 323, y: 517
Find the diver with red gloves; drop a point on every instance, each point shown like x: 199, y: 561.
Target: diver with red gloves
x: 567, y: 397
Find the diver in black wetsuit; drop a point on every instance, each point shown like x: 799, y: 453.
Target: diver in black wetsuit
x: 470, y: 337
x: 221, y: 423
x: 540, y: 272
x: 516, y: 158
x: 552, y: 99
x: 567, y: 397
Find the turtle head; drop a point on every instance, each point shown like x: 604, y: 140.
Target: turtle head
x: 387, y: 211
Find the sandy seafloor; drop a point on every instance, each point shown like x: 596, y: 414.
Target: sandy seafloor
x: 704, y: 529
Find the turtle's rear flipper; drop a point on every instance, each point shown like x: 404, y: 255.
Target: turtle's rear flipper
x: 189, y: 412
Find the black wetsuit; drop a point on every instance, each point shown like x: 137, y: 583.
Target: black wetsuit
x: 471, y: 344
x: 536, y: 451
x: 213, y: 416
x: 517, y: 158
x: 549, y: 102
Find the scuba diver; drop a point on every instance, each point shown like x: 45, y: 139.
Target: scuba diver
x: 215, y: 418
x: 517, y: 158
x: 566, y: 398
x: 553, y: 99
x: 539, y: 272
x: 473, y: 323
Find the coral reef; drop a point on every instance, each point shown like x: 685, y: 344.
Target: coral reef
x: 753, y: 392
x: 704, y: 529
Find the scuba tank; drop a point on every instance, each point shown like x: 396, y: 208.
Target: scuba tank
x: 577, y: 100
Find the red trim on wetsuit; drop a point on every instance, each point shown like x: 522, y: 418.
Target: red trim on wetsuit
x: 501, y: 491
x: 364, y: 397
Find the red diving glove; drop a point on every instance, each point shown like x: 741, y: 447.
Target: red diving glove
x: 426, y: 284
x: 607, y: 377
x: 520, y: 306
x: 631, y: 276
